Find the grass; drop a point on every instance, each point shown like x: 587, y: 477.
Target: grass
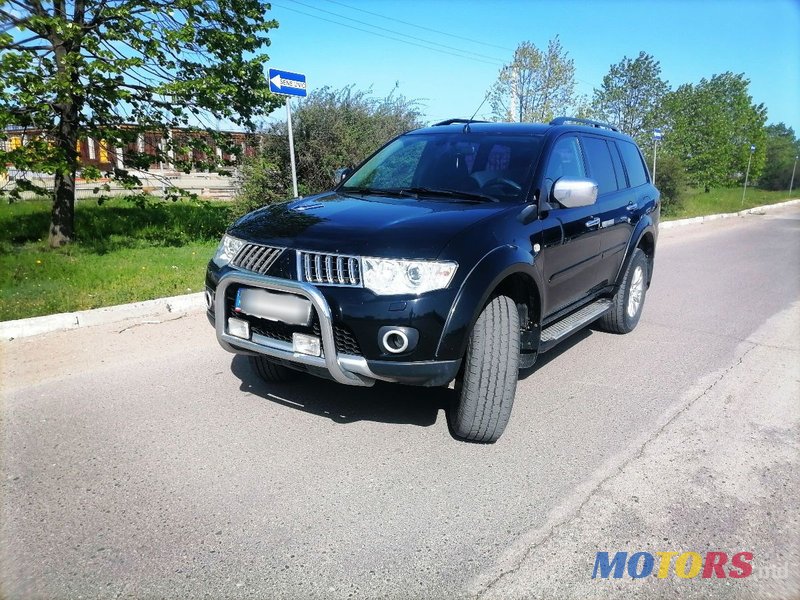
x: 123, y: 253
x: 126, y: 253
x: 698, y: 203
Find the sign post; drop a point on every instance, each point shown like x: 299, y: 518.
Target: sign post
x: 747, y: 173
x: 656, y: 139
x: 791, y: 183
x: 288, y: 84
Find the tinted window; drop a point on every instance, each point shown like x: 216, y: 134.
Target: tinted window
x: 620, y: 172
x: 566, y: 160
x: 601, y: 169
x: 633, y: 164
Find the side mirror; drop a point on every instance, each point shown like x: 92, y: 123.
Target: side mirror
x: 571, y: 193
x: 340, y: 174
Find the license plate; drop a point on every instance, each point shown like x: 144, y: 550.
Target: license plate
x: 262, y: 304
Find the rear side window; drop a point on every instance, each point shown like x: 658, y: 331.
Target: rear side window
x: 621, y: 183
x: 601, y: 167
x: 633, y: 163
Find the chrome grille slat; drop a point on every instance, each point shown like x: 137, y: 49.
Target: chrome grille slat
x: 257, y: 258
x: 328, y: 269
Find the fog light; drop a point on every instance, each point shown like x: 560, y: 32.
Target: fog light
x: 306, y: 344
x: 239, y: 328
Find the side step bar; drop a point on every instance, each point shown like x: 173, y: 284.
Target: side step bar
x: 560, y: 330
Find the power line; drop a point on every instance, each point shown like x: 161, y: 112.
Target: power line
x: 452, y: 51
x: 395, y: 20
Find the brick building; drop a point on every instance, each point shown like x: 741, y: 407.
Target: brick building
x: 98, y: 153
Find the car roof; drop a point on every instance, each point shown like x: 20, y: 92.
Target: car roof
x: 482, y: 127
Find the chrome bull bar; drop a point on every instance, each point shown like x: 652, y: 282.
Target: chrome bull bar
x: 346, y: 369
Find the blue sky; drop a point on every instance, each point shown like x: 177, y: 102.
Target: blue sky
x: 691, y: 39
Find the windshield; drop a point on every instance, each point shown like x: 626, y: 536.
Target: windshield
x: 460, y: 166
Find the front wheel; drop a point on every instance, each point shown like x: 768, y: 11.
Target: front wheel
x: 626, y: 307
x: 488, y: 383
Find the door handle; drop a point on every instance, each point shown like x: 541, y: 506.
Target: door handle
x: 632, y: 206
x: 593, y: 222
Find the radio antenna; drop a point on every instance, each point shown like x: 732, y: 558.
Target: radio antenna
x: 466, y: 125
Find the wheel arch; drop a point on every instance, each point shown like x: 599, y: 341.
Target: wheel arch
x: 501, y: 271
x: 644, y: 238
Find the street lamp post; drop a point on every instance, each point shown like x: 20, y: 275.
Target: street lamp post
x: 791, y: 183
x: 747, y: 173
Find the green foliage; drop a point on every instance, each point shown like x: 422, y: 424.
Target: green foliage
x: 631, y: 95
x: 782, y: 150
x: 112, y: 69
x: 123, y: 253
x: 536, y: 86
x: 671, y: 182
x: 711, y: 126
x: 263, y: 180
x: 332, y: 129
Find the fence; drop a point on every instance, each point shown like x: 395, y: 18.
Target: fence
x: 205, y: 185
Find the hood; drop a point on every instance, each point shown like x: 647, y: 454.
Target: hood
x: 364, y: 226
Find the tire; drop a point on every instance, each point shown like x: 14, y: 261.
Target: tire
x: 271, y: 372
x: 488, y: 382
x: 625, y: 309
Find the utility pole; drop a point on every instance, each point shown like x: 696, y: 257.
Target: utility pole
x: 791, y: 183
x: 747, y: 173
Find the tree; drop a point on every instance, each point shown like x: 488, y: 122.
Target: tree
x: 332, y: 129
x: 711, y: 126
x: 536, y: 86
x: 631, y: 95
x: 112, y: 69
x: 782, y: 149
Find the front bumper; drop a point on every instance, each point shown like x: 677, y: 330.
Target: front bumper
x: 343, y: 368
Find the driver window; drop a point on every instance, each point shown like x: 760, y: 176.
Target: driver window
x: 566, y: 160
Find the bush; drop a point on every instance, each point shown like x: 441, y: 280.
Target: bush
x: 332, y: 129
x: 262, y: 181
x: 671, y: 182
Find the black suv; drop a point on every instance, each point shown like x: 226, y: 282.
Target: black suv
x: 455, y: 252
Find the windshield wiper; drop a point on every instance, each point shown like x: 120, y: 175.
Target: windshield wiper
x: 416, y: 192
x: 370, y: 190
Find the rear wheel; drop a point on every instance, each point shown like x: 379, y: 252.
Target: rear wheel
x: 488, y: 382
x: 271, y: 372
x: 626, y: 307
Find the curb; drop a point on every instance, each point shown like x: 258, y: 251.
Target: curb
x: 20, y: 328
x: 756, y: 210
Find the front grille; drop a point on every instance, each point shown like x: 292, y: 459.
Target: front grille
x: 257, y: 258
x: 346, y: 342
x: 330, y: 269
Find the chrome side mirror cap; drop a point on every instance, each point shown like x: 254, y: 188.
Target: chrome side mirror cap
x: 575, y: 192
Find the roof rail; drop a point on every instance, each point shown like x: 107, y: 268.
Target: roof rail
x: 589, y: 122
x: 454, y: 121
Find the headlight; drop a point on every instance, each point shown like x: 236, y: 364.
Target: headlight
x: 385, y: 277
x: 228, y: 248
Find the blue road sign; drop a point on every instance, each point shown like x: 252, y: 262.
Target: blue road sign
x: 286, y: 83
x: 656, y: 134
x: 752, y: 148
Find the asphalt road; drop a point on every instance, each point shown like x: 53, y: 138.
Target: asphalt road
x: 141, y: 460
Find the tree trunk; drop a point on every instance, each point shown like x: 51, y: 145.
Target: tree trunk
x: 62, y: 220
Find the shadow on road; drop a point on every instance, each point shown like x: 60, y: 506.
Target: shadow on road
x: 383, y: 403
x: 563, y: 347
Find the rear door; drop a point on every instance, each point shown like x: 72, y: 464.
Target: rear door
x: 615, y: 203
